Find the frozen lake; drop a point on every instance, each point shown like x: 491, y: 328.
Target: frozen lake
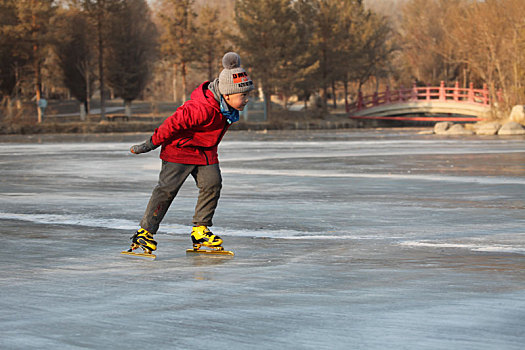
x: 366, y: 239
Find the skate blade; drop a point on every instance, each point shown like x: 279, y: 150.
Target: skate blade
x: 140, y: 255
x: 210, y: 252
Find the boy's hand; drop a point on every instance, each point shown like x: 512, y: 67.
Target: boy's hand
x: 144, y: 147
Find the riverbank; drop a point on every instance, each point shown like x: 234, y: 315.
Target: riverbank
x: 149, y: 126
x: 282, y: 120
x: 62, y: 117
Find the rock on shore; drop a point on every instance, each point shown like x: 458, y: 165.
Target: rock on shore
x: 518, y: 114
x: 482, y: 128
x: 511, y: 128
x: 490, y: 128
x: 449, y: 128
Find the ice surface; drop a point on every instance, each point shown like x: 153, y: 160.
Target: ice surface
x: 343, y: 239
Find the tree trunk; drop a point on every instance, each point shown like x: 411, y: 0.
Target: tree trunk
x: 174, y: 83
x: 334, y: 97
x: 8, y: 106
x: 36, y: 66
x: 82, y: 111
x: 325, y: 96
x: 345, y: 86
x: 101, y: 66
x: 267, y: 104
x: 210, y: 69
x: 38, y: 109
x: 183, y: 73
x: 88, y: 92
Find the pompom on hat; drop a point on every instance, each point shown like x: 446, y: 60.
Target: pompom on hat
x: 233, y: 78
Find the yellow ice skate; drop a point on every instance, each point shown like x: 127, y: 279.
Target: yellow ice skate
x: 142, y: 239
x: 201, y: 236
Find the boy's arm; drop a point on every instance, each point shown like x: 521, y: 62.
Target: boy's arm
x: 144, y: 147
x: 185, y: 117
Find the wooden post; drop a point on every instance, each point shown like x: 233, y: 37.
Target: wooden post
x: 456, y: 91
x: 413, y: 95
x: 471, y: 92
x: 442, y: 95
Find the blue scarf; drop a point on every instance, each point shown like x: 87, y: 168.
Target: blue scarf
x: 232, y: 115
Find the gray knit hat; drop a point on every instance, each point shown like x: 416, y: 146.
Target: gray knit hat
x: 233, y: 78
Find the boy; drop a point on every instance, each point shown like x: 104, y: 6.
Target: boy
x: 189, y: 140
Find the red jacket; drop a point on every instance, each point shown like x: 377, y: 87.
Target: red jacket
x: 191, y: 135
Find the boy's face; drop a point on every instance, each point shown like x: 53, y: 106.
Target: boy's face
x: 237, y: 101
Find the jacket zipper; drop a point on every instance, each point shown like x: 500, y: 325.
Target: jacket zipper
x: 203, y: 149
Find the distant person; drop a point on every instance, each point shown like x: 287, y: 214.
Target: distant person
x: 189, y: 140
x: 42, y: 104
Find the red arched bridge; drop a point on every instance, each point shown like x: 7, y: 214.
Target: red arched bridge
x: 451, y: 103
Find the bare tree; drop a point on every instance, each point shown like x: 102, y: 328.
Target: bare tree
x: 325, y: 38
x: 75, y: 52
x: 178, y: 31
x: 427, y: 55
x: 473, y: 41
x: 211, y: 43
x: 98, y: 11
x: 268, y: 40
x: 370, y: 54
x: 489, y: 38
x: 32, y: 27
x: 14, y: 53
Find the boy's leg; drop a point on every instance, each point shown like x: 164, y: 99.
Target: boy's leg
x: 171, y: 178
x: 209, y: 181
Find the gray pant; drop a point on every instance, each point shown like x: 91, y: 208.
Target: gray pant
x: 172, y: 175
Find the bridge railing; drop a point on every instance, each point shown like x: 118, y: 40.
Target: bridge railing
x: 425, y: 93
